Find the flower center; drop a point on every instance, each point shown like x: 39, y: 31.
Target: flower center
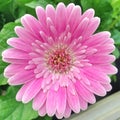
x: 59, y: 60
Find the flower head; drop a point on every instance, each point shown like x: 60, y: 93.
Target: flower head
x: 59, y: 60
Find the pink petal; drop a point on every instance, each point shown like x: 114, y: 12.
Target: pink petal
x: 19, y: 44
x: 98, y: 76
x: 84, y: 78
x: 50, y: 12
x: 88, y: 13
x: 106, y: 48
x: 12, y: 69
x: 101, y: 59
x: 32, y: 90
x: 42, y: 110
x: 71, y: 88
x: 107, y: 87
x: 25, y: 35
x: 76, y: 13
x: 73, y: 101
x: 84, y: 93
x: 21, y: 92
x: 41, y: 15
x: 34, y: 27
x: 51, y: 102
x: 67, y: 111
x: 97, y: 39
x: 96, y: 88
x: 81, y: 28
x: 39, y: 100
x: 19, y: 78
x: 13, y: 53
x: 59, y: 116
x: 83, y: 103
x: 108, y: 69
x: 93, y: 25
x: 61, y: 100
x: 69, y: 9
x: 60, y: 17
x: 15, y: 61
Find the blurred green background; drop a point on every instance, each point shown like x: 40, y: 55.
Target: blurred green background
x: 10, y: 13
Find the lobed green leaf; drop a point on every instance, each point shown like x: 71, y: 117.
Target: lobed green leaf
x: 41, y: 3
x: 10, y: 109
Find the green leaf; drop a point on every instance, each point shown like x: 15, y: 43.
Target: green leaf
x: 2, y: 20
x: 6, y: 32
x: 3, y: 80
x: 116, y: 53
x: 43, y: 118
x: 66, y: 1
x: 7, y: 8
x: 10, y: 109
x: 116, y: 36
x: 116, y: 7
x: 41, y: 3
x: 97, y: 4
x: 23, y: 2
x: 4, y: 5
x: 47, y: 118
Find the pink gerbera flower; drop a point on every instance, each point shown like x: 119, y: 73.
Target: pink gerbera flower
x: 59, y: 60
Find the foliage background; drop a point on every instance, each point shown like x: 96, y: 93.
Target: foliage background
x: 10, y: 13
